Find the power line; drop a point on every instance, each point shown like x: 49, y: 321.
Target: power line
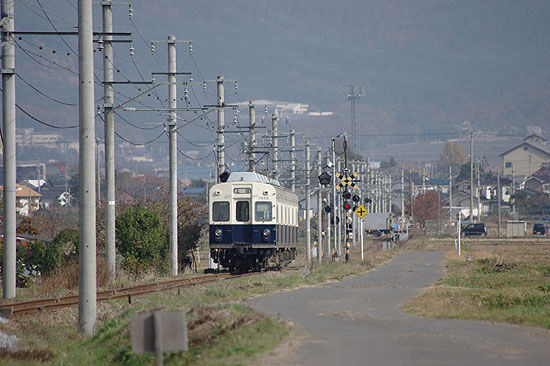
x: 44, y: 94
x: 42, y: 122
x: 138, y: 127
x: 140, y: 143
x: 190, y: 158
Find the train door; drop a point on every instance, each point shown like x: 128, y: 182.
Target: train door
x: 243, y: 218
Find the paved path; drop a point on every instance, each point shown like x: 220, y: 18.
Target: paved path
x: 359, y: 321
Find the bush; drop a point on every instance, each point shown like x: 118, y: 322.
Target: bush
x: 141, y: 240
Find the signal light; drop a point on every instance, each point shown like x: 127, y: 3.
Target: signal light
x: 346, y: 195
x: 347, y: 206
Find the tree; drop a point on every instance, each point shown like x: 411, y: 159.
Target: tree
x: 141, y: 239
x: 453, y: 155
x: 425, y: 207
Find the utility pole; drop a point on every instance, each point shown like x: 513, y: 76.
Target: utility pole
x: 338, y: 206
x: 252, y: 138
x: 221, y: 126
x: 498, y: 201
x: 450, y: 194
x: 319, y: 210
x: 275, y: 146
x: 9, y: 146
x: 346, y: 175
x: 293, y: 160
x: 402, y: 198
x: 471, y: 175
x: 109, y: 100
x: 355, y: 93
x: 173, y: 152
x: 87, y: 298
x: 308, y: 205
x: 98, y: 172
x: 334, y: 207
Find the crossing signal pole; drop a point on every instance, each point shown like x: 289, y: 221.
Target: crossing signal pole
x: 347, y: 204
x: 319, y: 211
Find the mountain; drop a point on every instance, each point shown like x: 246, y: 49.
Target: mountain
x: 427, y: 66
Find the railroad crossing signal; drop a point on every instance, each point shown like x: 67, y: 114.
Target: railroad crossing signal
x: 360, y: 211
x: 346, y: 181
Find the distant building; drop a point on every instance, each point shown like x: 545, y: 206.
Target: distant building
x: 539, y: 181
x: 27, y: 200
x: 527, y: 157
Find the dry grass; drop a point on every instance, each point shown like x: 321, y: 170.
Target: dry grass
x: 498, y: 280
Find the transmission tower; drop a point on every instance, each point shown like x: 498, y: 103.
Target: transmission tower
x: 355, y: 93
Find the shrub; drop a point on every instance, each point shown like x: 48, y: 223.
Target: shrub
x: 141, y: 240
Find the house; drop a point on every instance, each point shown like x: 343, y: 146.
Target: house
x: 27, y: 200
x: 527, y: 157
x: 539, y: 181
x: 461, y: 204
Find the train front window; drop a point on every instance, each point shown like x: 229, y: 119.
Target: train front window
x: 243, y: 211
x: 263, y: 211
x: 220, y: 211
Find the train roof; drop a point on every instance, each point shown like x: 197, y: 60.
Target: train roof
x: 252, y: 177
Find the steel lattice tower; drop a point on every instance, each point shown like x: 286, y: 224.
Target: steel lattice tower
x: 355, y: 93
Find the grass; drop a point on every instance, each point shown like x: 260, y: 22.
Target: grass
x: 494, y: 281
x: 222, y: 330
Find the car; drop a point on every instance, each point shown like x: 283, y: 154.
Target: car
x: 540, y: 229
x: 475, y: 229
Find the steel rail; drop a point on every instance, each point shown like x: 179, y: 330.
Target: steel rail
x: 35, y: 306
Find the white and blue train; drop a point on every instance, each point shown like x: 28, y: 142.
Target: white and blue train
x: 253, y: 223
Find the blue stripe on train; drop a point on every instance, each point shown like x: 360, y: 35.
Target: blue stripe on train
x: 243, y: 234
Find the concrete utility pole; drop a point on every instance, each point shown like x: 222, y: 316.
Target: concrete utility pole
x: 221, y: 126
x: 471, y: 175
x: 109, y: 100
x: 293, y: 160
x: 252, y: 138
x: 450, y: 194
x: 334, y: 207
x: 498, y: 201
x: 338, y: 208
x: 402, y: 198
x: 173, y: 151
x: 308, y: 205
x: 87, y: 300
x: 319, y: 210
x: 9, y: 158
x: 275, y: 145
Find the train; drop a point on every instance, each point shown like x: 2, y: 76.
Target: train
x: 253, y: 223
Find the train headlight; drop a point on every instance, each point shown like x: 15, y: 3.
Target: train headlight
x: 218, y: 232
x: 267, y: 232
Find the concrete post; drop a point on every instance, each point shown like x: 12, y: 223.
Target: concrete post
x: 173, y: 151
x: 308, y: 205
x: 293, y: 160
x: 108, y: 103
x: 275, y: 145
x: 252, y: 137
x: 221, y: 126
x: 87, y: 306
x: 9, y: 158
x: 319, y: 210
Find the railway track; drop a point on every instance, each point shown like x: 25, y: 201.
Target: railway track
x: 34, y: 306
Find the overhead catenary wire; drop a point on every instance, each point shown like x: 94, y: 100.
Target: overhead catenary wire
x: 191, y: 158
x: 44, y: 94
x: 42, y: 122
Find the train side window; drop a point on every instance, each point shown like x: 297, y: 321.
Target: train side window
x: 243, y: 211
x: 220, y: 211
x: 263, y: 211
